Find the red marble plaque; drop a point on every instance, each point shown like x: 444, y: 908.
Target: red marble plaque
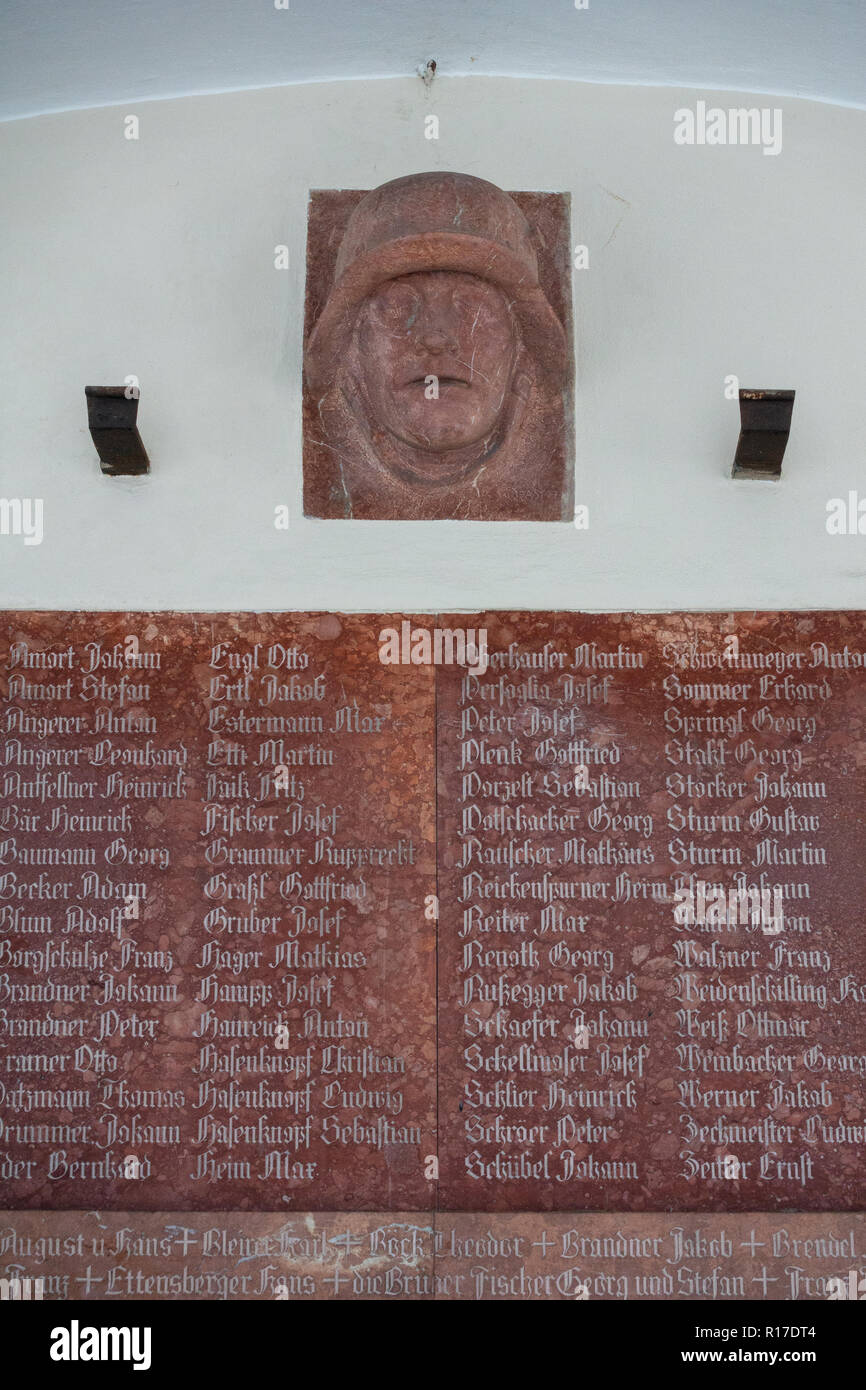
x: 223, y: 839
x: 216, y: 975
x: 626, y: 1020
x: 472, y: 1256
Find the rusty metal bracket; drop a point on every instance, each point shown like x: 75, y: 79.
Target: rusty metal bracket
x: 765, y: 423
x: 111, y: 416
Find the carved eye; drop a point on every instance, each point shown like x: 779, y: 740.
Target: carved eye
x: 479, y: 305
x: 467, y: 300
x: 396, y: 305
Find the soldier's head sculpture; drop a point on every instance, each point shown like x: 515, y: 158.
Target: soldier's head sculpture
x: 437, y: 366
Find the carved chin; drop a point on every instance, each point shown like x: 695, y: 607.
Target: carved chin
x: 441, y: 440
x: 452, y: 454
x: 436, y: 431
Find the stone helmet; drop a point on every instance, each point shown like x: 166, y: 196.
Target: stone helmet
x: 436, y: 221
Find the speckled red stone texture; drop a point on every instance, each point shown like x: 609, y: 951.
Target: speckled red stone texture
x: 529, y: 477
x: 399, y: 1256
x: 180, y: 1008
x: 172, y: 1078
x: 671, y: 1102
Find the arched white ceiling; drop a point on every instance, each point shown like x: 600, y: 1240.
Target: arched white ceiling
x: 64, y: 54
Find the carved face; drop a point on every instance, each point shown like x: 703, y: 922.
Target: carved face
x: 453, y: 328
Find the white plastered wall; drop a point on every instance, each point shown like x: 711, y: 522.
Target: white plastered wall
x: 156, y: 257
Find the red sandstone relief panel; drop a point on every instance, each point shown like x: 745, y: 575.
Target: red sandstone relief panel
x: 438, y: 372
x: 216, y: 976
x: 651, y: 968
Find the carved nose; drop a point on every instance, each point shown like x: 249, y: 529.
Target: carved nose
x: 434, y: 339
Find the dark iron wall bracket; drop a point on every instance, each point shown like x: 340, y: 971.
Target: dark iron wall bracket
x: 111, y: 417
x: 765, y: 423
